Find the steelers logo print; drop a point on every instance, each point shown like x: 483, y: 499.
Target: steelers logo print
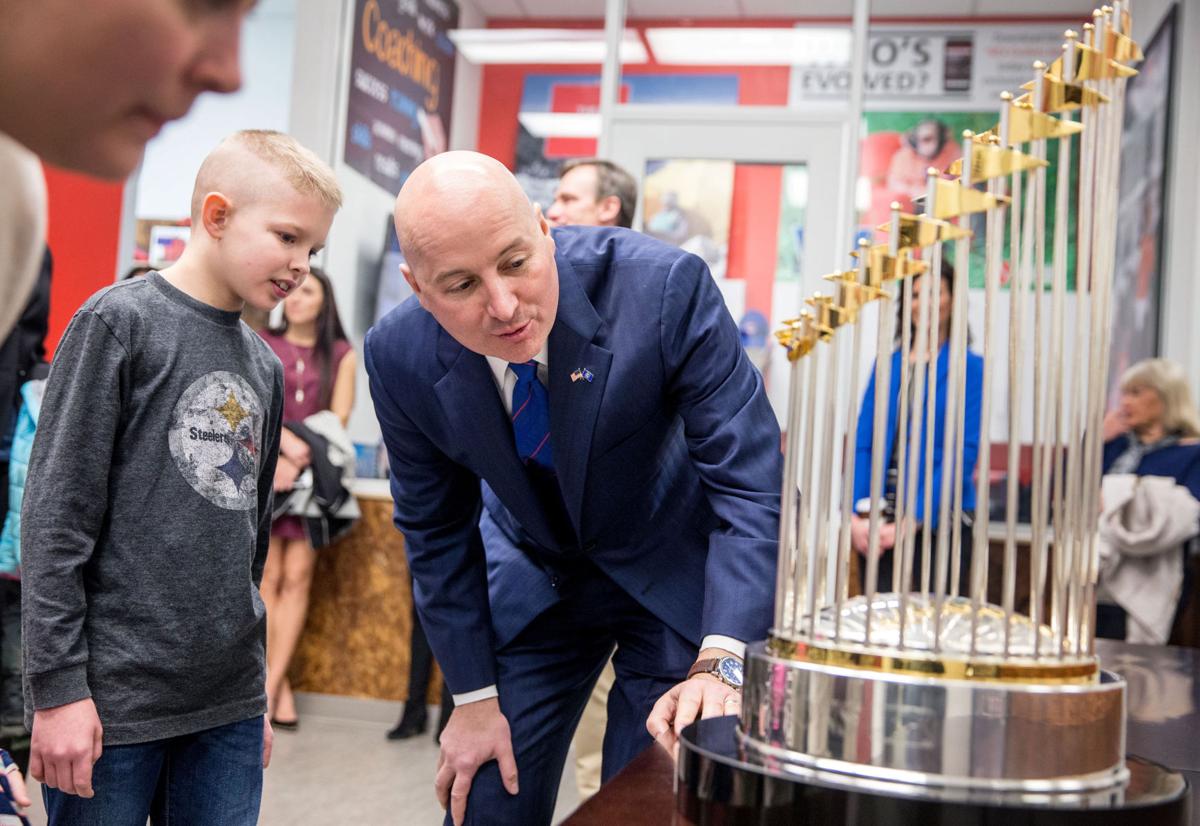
x: 215, y: 436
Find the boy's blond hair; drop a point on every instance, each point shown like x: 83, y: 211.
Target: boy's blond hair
x: 307, y: 173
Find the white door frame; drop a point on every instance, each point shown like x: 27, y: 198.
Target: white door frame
x: 750, y: 135
x: 825, y: 141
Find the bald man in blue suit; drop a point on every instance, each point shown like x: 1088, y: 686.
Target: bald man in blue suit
x: 581, y: 456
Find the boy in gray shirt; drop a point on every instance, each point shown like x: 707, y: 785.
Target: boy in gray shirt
x: 147, y: 511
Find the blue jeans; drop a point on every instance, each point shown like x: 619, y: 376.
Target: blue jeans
x: 210, y: 777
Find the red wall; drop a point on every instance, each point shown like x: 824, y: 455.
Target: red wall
x: 754, y: 231
x: 502, y: 85
x: 85, y: 226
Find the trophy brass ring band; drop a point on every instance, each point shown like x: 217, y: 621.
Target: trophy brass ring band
x: 941, y: 667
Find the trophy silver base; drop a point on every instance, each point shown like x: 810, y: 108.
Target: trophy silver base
x: 720, y: 781
x: 954, y: 738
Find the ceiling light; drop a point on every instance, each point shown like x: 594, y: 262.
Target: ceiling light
x: 703, y: 46
x: 543, y: 46
x: 561, y: 124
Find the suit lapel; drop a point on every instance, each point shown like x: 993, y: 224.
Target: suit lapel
x: 575, y: 404
x: 476, y: 420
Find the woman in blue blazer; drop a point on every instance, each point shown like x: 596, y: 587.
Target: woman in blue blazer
x: 1154, y: 431
x: 926, y: 517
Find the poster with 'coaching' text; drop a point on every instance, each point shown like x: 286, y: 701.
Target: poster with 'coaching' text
x: 401, y: 77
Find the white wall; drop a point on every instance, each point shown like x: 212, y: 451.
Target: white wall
x: 318, y: 119
x: 164, y: 184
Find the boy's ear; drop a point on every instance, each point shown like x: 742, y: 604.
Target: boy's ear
x: 215, y: 212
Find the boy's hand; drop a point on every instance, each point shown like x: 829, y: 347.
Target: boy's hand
x: 66, y: 743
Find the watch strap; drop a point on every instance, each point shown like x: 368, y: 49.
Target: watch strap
x: 707, y: 666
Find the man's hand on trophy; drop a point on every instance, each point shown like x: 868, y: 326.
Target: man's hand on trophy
x: 699, y: 697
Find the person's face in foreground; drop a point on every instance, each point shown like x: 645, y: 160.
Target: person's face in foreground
x: 87, y: 84
x: 490, y: 280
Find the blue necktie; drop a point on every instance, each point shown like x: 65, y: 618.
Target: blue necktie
x: 531, y: 417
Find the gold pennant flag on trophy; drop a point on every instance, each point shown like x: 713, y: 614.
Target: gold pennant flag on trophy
x: 989, y: 161
x: 1089, y: 64
x: 951, y: 200
x: 883, y: 267
x: 1122, y: 48
x: 1025, y: 125
x: 852, y: 295
x: 922, y: 231
x: 798, y: 336
x: 1060, y: 96
x: 825, y: 316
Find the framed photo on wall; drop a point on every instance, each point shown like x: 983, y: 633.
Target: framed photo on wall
x: 1137, y: 277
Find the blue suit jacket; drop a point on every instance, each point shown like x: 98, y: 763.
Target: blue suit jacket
x: 668, y: 459
x: 971, y: 416
x: 1180, y: 462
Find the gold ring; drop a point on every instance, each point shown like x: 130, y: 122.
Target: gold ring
x: 1050, y: 673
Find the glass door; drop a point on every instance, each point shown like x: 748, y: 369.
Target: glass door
x: 758, y: 194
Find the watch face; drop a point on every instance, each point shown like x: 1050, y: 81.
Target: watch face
x: 730, y: 670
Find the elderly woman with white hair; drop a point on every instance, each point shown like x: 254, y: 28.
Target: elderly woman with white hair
x: 1151, y: 504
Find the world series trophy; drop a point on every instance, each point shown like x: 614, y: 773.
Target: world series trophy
x: 923, y: 701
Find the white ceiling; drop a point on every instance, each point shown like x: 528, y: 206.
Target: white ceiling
x: 682, y: 9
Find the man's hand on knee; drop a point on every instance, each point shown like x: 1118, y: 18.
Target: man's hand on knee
x: 477, y: 732
x: 65, y: 744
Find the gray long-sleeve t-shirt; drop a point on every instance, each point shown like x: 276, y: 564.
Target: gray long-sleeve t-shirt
x: 147, y: 516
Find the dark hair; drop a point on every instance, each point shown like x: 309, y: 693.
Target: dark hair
x: 947, y: 287
x: 329, y: 332
x: 610, y: 180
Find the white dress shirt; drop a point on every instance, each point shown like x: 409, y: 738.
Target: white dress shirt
x: 506, y: 381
